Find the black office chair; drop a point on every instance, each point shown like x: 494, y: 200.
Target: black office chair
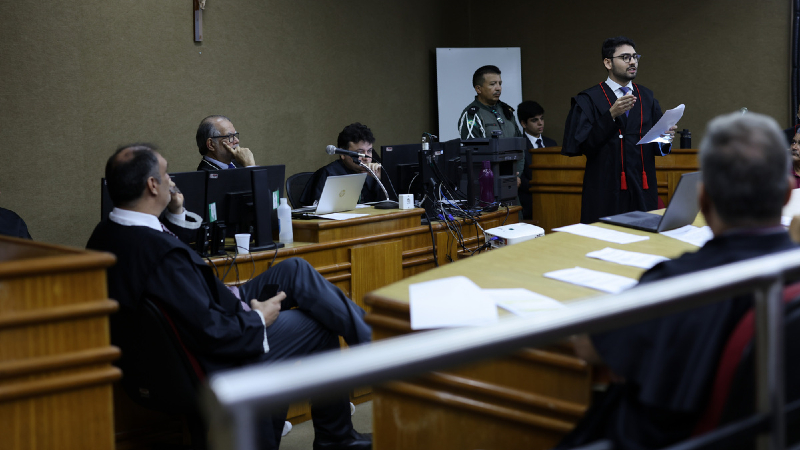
x: 294, y: 187
x: 158, y: 371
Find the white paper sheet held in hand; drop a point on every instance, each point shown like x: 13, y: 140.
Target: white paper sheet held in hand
x: 670, y: 118
x: 604, y: 234
x: 624, y: 257
x: 523, y: 302
x: 606, y: 282
x: 449, y: 302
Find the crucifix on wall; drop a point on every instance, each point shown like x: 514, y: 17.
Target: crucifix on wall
x: 199, y: 6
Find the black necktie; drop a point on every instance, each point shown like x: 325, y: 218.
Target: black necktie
x: 539, y: 143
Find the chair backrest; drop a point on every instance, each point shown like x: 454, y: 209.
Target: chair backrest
x: 158, y: 371
x: 733, y: 393
x: 295, y: 185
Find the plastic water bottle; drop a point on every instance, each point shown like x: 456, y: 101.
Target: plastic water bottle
x: 486, y: 180
x: 285, y: 233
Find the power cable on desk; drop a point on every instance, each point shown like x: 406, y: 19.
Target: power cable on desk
x: 275, y: 255
x: 433, y: 239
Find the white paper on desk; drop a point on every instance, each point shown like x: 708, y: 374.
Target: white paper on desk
x: 606, y: 282
x: 626, y: 258
x: 361, y: 205
x: 604, y: 234
x: 449, y: 302
x: 670, y: 118
x: 341, y: 216
x: 522, y: 302
x: 691, y: 234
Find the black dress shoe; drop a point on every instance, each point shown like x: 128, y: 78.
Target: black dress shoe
x: 355, y: 441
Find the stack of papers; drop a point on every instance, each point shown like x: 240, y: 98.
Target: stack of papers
x: 341, y: 216
x: 624, y: 257
x: 457, y: 301
x: 604, y: 234
x: 594, y: 279
x: 522, y: 302
x: 449, y: 302
x: 691, y: 234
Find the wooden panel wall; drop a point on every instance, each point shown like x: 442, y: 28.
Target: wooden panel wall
x: 557, y: 183
x: 55, y: 356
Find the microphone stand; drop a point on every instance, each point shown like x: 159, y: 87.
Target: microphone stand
x: 386, y: 204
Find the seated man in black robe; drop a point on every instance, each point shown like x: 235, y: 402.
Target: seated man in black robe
x: 358, y: 138
x: 222, y: 327
x: 666, y: 365
x: 218, y: 142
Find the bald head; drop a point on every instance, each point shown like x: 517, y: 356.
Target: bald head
x: 208, y: 128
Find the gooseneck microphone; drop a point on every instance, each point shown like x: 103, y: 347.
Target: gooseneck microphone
x: 386, y: 204
x: 333, y: 150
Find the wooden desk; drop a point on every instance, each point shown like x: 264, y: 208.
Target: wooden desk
x: 527, y: 400
x: 557, y: 183
x: 55, y: 357
x: 364, y: 254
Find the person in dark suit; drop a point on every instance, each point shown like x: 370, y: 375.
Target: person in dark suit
x: 358, y: 138
x: 223, y: 327
x: 666, y: 366
x: 218, y: 142
x: 531, y: 117
x: 11, y: 224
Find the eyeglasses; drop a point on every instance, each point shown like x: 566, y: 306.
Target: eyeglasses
x: 227, y: 137
x: 626, y: 57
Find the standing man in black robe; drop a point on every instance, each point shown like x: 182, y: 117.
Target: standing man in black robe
x: 605, y: 123
x: 666, y: 366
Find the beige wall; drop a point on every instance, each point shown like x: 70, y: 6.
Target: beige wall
x: 81, y: 77
x: 714, y: 56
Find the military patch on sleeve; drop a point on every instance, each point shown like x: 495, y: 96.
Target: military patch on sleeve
x: 471, y: 123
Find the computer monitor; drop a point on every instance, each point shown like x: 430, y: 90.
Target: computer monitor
x: 401, y: 163
x: 229, y: 193
x: 191, y: 184
x: 467, y: 156
x: 264, y: 208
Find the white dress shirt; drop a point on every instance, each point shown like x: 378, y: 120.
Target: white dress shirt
x: 533, y: 139
x: 616, y: 87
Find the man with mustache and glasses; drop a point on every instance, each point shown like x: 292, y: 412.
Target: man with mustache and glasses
x: 605, y: 123
x: 218, y: 142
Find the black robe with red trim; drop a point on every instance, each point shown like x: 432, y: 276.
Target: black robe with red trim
x: 590, y: 131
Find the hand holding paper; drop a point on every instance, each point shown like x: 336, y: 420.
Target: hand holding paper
x: 664, y: 130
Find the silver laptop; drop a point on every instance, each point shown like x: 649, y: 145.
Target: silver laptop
x: 682, y: 209
x: 340, y: 193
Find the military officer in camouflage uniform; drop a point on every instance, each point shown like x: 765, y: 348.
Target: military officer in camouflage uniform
x: 487, y: 113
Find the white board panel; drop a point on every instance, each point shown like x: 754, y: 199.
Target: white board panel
x: 454, y: 69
